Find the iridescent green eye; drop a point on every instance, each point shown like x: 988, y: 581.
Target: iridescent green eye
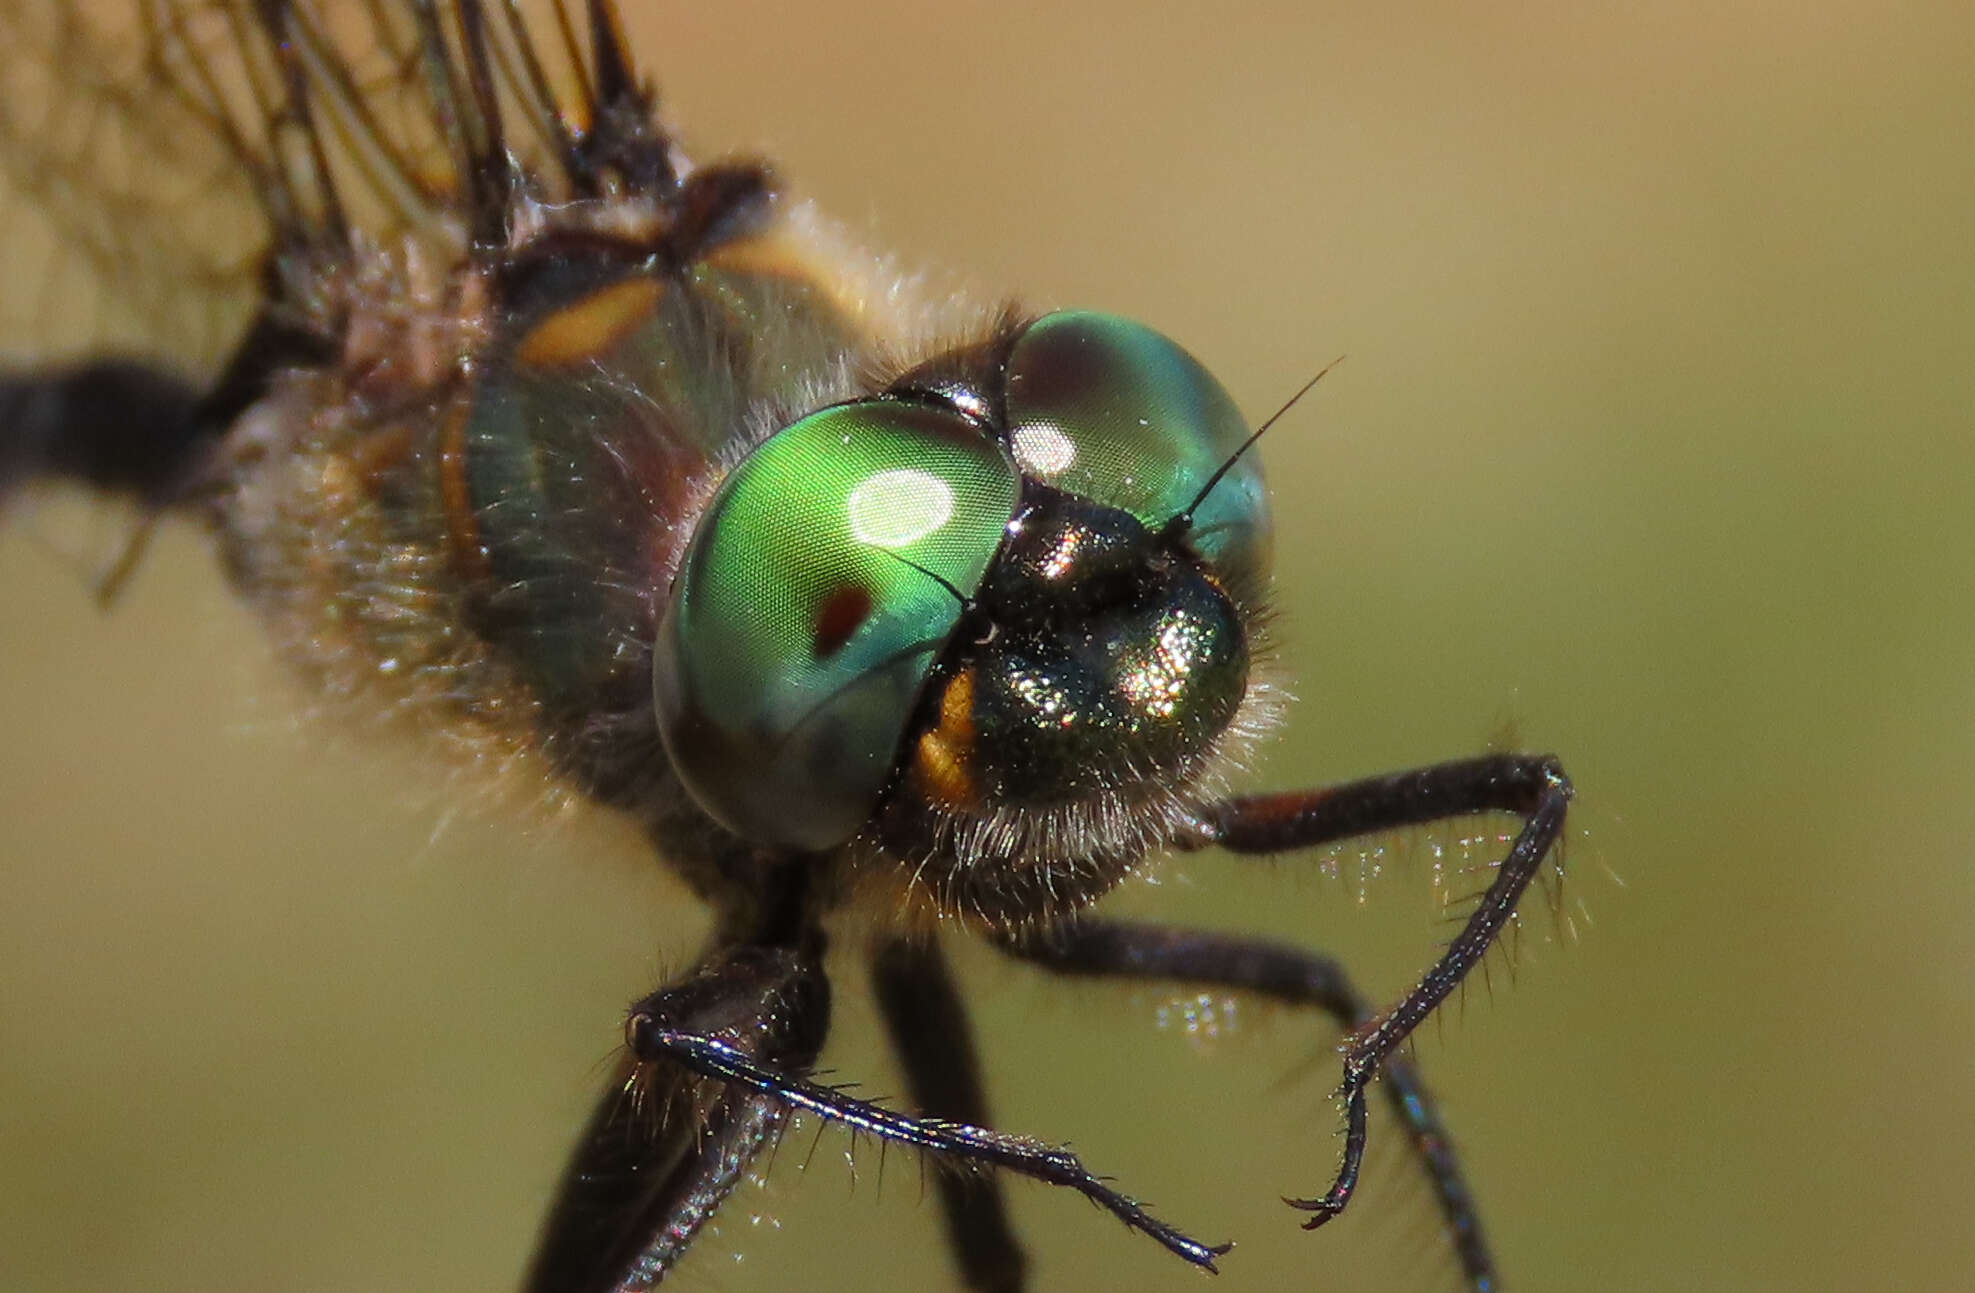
x: 811, y: 606
x: 1109, y: 409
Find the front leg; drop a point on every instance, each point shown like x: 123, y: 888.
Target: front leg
x: 1122, y: 950
x: 663, y: 1149
x: 1533, y: 787
x: 658, y: 1037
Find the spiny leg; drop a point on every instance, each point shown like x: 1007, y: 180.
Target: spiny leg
x: 1113, y: 949
x: 658, y: 1037
x: 1532, y: 786
x: 663, y: 1150
x: 927, y: 1022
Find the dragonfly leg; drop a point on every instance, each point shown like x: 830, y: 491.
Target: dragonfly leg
x: 1113, y: 949
x: 927, y: 1021
x: 656, y: 1036
x: 662, y: 1150
x: 1533, y: 787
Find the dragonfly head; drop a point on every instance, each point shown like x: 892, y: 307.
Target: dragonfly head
x: 995, y: 623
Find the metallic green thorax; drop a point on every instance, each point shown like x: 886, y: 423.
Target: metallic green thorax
x: 598, y: 424
x: 817, y: 595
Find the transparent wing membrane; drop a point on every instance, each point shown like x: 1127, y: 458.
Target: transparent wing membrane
x: 154, y: 153
x: 130, y: 225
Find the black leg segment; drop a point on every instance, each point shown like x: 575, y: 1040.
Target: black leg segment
x: 927, y: 1022
x: 1533, y: 787
x: 664, y: 1149
x: 1112, y: 949
x: 656, y: 1038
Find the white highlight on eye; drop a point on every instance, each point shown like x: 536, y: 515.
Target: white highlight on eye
x: 899, y: 507
x: 1043, y: 450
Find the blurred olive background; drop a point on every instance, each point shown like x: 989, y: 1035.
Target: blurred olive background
x: 1653, y: 448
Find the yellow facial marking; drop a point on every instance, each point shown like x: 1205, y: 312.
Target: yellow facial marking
x: 941, y: 767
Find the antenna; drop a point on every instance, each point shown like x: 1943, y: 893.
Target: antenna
x: 966, y: 603
x: 1184, y: 521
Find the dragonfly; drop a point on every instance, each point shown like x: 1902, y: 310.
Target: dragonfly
x: 508, y: 413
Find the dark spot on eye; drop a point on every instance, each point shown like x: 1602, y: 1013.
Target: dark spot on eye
x: 843, y: 612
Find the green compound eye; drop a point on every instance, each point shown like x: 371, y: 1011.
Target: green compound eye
x: 1109, y: 409
x: 807, y: 613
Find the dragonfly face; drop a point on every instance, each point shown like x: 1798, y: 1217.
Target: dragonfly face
x: 987, y: 606
x: 590, y: 455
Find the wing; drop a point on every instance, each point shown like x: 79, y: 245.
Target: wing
x: 180, y: 179
x: 129, y: 223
